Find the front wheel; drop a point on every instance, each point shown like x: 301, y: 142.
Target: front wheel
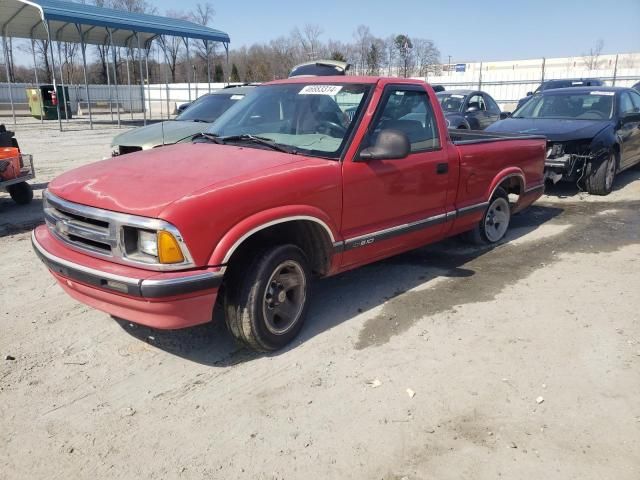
x: 495, y: 221
x: 266, y: 300
x: 599, y: 178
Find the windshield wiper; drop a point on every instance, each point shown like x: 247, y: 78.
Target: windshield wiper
x: 267, y: 142
x: 199, y: 120
x: 212, y: 137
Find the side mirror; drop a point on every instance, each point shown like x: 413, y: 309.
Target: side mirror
x: 390, y: 145
x: 529, y: 94
x: 471, y: 109
x: 504, y: 115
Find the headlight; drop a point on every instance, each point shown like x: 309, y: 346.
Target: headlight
x: 115, y: 150
x: 148, y: 243
x: 556, y: 150
x: 149, y: 246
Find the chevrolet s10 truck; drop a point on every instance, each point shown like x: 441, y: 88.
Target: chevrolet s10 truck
x: 283, y: 187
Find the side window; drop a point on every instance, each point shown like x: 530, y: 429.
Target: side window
x: 492, y: 106
x: 410, y: 112
x: 626, y: 104
x: 476, y: 103
x: 635, y: 98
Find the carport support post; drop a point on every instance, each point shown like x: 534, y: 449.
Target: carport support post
x: 146, y: 67
x: 106, y: 60
x: 83, y: 49
x: 6, y: 66
x: 53, y: 71
x: 226, y: 49
x: 186, y: 43
x: 64, y: 92
x: 115, y: 73
x: 206, y: 48
x: 35, y: 72
x: 144, y: 108
x: 129, y: 88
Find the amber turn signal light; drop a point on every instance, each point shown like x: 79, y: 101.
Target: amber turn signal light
x: 168, y: 248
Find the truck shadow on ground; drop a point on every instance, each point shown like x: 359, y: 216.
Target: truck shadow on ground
x: 15, y: 219
x: 341, y: 298
x: 570, y: 189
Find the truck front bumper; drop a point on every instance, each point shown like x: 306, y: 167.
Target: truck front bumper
x: 166, y: 300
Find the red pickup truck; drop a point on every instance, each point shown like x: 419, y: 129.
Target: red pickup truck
x: 305, y: 177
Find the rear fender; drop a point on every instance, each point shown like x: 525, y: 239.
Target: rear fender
x: 265, y: 219
x: 507, y: 173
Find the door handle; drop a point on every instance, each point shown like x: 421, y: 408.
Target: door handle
x: 442, y: 168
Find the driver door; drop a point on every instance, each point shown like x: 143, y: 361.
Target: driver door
x: 395, y: 205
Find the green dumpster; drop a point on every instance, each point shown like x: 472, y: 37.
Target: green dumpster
x: 42, y: 101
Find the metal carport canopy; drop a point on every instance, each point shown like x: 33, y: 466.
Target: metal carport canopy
x: 26, y: 19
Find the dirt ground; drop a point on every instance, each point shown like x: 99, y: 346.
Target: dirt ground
x: 524, y: 360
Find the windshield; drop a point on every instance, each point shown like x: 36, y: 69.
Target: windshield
x: 593, y: 105
x: 451, y: 102
x: 308, y: 118
x: 209, y: 107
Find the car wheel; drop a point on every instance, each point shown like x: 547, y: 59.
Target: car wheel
x: 600, y: 177
x: 495, y: 221
x: 21, y: 193
x: 266, y: 300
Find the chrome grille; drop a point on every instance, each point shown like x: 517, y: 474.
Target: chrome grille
x: 107, y: 234
x: 82, y: 231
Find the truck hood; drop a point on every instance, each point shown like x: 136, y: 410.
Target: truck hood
x: 160, y: 133
x: 556, y: 130
x: 145, y: 183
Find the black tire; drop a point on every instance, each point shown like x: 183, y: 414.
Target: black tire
x: 599, y: 177
x: 21, y: 193
x: 252, y: 300
x: 462, y: 127
x: 484, y: 232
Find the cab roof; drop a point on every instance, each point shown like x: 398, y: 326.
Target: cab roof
x: 348, y: 79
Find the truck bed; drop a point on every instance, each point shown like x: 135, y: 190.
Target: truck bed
x: 466, y: 137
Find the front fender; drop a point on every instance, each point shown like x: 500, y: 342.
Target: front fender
x: 234, y: 237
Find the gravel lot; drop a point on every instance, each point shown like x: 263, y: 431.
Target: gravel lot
x: 524, y: 360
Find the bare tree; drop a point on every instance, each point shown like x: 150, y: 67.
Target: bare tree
x: 390, y: 56
x: 427, y: 57
x: 363, y: 39
x: 203, y: 15
x: 592, y: 59
x: 309, y: 39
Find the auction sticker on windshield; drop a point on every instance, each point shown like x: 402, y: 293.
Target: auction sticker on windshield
x: 608, y: 94
x: 320, y: 90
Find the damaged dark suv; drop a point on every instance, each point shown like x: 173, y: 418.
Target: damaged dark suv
x: 592, y: 133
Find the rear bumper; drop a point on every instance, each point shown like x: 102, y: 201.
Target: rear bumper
x: 157, y: 299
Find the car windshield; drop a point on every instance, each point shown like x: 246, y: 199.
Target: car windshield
x: 451, y: 102
x: 594, y: 105
x: 308, y: 118
x: 209, y: 107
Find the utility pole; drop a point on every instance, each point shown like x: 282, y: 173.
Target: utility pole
x: 449, y: 65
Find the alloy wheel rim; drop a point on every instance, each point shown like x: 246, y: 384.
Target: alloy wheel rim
x: 284, y: 297
x: 496, y: 220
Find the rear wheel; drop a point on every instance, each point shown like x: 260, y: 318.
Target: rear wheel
x: 600, y: 177
x: 266, y: 300
x: 21, y: 193
x: 495, y: 221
